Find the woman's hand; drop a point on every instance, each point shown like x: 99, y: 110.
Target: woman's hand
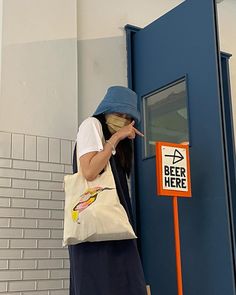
x: 92, y: 163
x: 128, y: 131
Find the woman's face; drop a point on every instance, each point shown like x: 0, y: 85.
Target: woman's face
x: 115, y: 121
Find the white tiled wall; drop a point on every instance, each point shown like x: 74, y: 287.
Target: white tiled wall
x: 32, y: 260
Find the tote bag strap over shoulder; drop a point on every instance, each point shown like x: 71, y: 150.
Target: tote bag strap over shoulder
x: 75, y: 166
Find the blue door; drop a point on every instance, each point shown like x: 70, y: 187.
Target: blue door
x: 174, y: 66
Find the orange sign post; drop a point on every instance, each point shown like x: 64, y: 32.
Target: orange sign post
x: 173, y: 179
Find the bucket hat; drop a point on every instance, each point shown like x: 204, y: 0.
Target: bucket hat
x: 119, y: 99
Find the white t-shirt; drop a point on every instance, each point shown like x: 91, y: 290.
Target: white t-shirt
x: 89, y: 137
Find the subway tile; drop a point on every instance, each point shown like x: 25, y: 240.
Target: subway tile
x: 50, y: 223
x: 11, y: 233
x: 12, y: 173
x: 35, y: 274
x: 30, y: 165
x: 37, y: 194
x: 54, y: 150
x: 5, y: 144
x: 23, y: 243
x: 3, y: 286
x: 51, y: 204
x: 53, y: 167
x: 11, y: 192
x: 62, y: 253
x: 58, y: 177
x: 47, y: 185
x: 66, y: 284
x: 68, y: 169
x: 20, y: 183
x: 4, y: 243
x: 18, y: 146
x: 38, y: 175
x: 66, y: 263
x: 21, y: 286
x: 10, y: 254
x: 10, y: 275
x: 23, y: 223
x: 23, y: 203
x: 42, y: 149
x: 5, y: 163
x: 3, y: 264
x: 5, y: 182
x: 59, y: 274
x: 38, y: 253
x: 36, y: 233
x: 56, y: 234
x: 14, y: 293
x: 37, y: 213
x: 53, y: 186
x: 4, y: 202
x: 11, y: 212
x: 22, y: 264
x: 49, y: 284
x: 36, y: 293
x: 30, y: 147
x: 59, y: 292
x: 57, y: 214
x: 66, y: 157
x: 58, y: 195
x: 49, y: 244
x: 4, y: 222
x: 50, y: 264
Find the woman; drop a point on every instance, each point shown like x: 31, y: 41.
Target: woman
x: 109, y: 267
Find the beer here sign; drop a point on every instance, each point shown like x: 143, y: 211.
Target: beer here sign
x: 173, y: 169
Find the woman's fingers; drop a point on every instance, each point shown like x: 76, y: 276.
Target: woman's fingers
x: 129, y: 131
x: 138, y: 132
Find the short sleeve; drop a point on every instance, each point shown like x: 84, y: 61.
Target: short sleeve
x: 89, y: 136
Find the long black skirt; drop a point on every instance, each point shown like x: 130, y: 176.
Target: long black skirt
x: 110, y: 267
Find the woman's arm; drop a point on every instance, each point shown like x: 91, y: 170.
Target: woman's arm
x: 93, y: 163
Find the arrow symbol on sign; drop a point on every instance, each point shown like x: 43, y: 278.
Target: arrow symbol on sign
x: 177, y: 157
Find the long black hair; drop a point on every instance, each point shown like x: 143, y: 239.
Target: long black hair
x: 124, y: 149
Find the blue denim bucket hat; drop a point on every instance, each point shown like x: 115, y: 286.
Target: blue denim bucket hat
x: 119, y: 99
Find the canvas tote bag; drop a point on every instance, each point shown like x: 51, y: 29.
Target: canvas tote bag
x: 93, y: 211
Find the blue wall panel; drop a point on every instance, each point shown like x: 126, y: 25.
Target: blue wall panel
x: 184, y: 43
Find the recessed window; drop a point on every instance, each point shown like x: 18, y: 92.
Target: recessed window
x: 166, y: 116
